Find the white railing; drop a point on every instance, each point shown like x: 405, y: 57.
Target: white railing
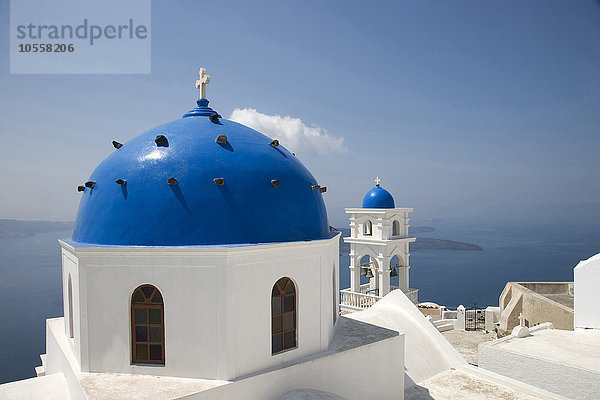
x: 366, y: 289
x: 352, y: 301
x: 357, y: 301
x: 412, y: 294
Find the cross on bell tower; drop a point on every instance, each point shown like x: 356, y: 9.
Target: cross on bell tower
x: 202, y: 82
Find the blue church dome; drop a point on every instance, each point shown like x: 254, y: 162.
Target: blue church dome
x: 200, y: 180
x: 378, y: 197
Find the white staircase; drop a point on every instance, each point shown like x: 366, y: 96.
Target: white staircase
x: 443, y: 325
x: 41, y: 370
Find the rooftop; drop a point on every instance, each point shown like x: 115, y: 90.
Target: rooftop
x: 462, y: 384
x: 578, y: 349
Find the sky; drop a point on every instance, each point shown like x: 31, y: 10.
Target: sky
x: 464, y: 109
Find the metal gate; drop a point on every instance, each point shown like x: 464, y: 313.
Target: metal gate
x: 474, y: 318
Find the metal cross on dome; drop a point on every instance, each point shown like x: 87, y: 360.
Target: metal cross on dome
x: 377, y: 181
x: 202, y: 82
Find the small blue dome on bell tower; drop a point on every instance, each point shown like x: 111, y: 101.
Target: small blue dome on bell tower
x: 378, y: 197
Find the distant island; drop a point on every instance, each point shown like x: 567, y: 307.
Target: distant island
x: 421, y: 229
x: 443, y: 244
x: 12, y: 228
x: 426, y: 242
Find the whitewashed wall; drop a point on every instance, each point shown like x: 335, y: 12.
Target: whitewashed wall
x: 217, y: 304
x: 342, y: 373
x: 59, y: 360
x: 587, y: 293
x: 70, y: 267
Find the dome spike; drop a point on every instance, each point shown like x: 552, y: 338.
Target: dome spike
x: 161, y: 141
x: 274, y: 143
x: 90, y: 184
x: 222, y: 139
x: 275, y: 182
x: 172, y: 181
x: 219, y: 181
x: 116, y: 144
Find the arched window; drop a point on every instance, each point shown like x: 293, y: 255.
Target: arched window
x: 147, y: 326
x: 70, y: 299
x: 395, y: 228
x: 368, y: 228
x: 283, y: 315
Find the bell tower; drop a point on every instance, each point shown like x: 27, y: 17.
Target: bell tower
x: 379, y: 250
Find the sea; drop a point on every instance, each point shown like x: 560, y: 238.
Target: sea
x: 30, y: 282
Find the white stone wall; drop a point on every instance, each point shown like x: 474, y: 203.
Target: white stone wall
x: 492, y: 316
x: 356, y: 373
x: 60, y: 360
x: 70, y: 268
x: 217, y: 304
x: 587, y: 293
x: 459, y: 324
x: 347, y: 360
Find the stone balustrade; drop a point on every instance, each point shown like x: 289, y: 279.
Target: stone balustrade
x: 355, y: 301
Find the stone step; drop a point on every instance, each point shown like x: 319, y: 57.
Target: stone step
x: 40, y: 371
x: 445, y: 327
x: 443, y: 322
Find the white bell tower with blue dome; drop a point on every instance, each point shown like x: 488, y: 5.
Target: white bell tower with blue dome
x: 379, y: 250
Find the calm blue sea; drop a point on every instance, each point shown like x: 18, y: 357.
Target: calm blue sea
x: 30, y: 289
x: 30, y: 292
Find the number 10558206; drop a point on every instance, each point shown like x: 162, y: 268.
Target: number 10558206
x: 46, y: 48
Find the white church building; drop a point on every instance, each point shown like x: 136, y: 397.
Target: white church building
x: 202, y: 266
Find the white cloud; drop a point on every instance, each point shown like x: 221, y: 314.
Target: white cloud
x: 291, y: 132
